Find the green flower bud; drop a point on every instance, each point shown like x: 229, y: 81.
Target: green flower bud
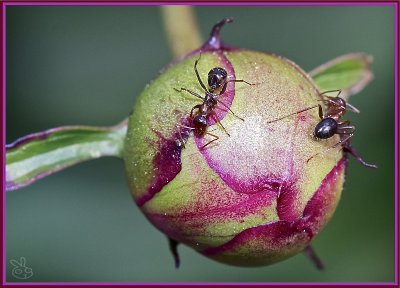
x: 247, y: 191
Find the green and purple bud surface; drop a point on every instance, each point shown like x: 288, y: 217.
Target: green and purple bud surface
x: 252, y: 196
x: 246, y: 191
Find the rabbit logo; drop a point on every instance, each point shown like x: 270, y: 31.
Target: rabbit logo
x: 20, y: 271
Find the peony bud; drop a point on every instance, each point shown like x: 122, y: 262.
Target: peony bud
x: 245, y: 192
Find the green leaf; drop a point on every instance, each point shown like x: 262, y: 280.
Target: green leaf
x: 37, y: 155
x: 350, y: 73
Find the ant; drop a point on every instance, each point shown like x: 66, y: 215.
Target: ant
x: 217, y: 81
x: 331, y: 124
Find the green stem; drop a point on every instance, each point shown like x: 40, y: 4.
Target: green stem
x: 181, y: 29
x: 37, y: 155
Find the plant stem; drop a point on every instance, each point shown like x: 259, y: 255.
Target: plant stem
x: 181, y: 29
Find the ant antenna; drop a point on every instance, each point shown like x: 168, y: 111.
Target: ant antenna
x: 226, y: 106
x: 348, y: 107
x: 341, y: 142
x: 197, y: 74
x: 297, y: 112
x: 330, y: 91
x: 352, y: 108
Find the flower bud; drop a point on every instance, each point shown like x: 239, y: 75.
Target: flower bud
x: 243, y: 191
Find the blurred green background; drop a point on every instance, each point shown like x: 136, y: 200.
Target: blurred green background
x: 85, y: 65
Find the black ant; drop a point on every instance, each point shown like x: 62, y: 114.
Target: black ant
x: 331, y: 124
x: 217, y: 81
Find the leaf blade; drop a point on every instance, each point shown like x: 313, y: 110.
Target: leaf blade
x: 350, y: 73
x: 37, y: 155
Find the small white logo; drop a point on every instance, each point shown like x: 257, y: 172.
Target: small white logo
x: 20, y: 271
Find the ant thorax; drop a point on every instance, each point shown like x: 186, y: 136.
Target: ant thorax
x: 211, y: 98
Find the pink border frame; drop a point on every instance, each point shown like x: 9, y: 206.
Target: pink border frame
x: 394, y: 4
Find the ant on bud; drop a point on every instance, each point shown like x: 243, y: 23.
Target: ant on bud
x: 217, y: 81
x: 331, y: 124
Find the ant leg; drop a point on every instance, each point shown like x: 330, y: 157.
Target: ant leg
x: 345, y: 122
x: 226, y: 106
x: 173, y: 246
x: 235, y: 80
x: 215, y: 139
x: 330, y: 91
x: 197, y: 74
x: 310, y: 253
x: 320, y: 112
x: 350, y: 149
x: 240, y: 80
x: 217, y: 120
x: 190, y: 91
x: 344, y: 137
x: 345, y: 130
x: 181, y: 141
x: 342, y: 141
x: 184, y: 126
x: 300, y: 111
x: 195, y: 107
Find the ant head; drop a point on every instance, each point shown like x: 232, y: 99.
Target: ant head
x: 217, y: 77
x: 336, y: 107
x: 336, y: 103
x: 326, y: 128
x: 212, y: 98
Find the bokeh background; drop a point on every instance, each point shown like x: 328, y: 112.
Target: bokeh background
x: 86, y: 65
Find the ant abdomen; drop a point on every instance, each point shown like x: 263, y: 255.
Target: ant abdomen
x: 326, y: 128
x: 200, y: 122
